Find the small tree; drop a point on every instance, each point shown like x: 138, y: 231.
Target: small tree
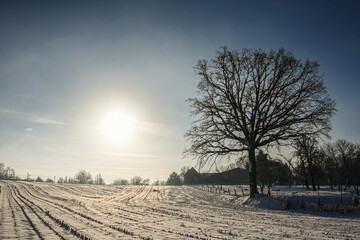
x: 174, y: 179
x: 255, y: 98
x: 145, y: 182
x: 136, y: 180
x: 156, y: 183
x: 183, y: 170
x: 121, y: 182
x: 49, y: 180
x: 83, y: 177
x: 38, y: 179
x: 306, y: 149
x: 99, y: 180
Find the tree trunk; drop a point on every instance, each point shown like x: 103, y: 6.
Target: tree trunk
x: 331, y: 183
x: 312, y: 175
x: 305, y: 174
x: 252, y: 172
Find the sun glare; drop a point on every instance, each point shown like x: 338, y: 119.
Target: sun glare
x: 118, y: 126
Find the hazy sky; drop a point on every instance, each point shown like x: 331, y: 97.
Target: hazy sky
x: 65, y: 64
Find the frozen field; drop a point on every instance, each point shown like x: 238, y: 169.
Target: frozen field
x: 55, y: 211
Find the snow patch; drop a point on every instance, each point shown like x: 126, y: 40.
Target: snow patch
x: 264, y: 202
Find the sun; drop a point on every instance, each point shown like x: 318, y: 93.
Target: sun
x: 118, y: 126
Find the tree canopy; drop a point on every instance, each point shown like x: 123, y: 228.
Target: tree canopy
x: 255, y: 98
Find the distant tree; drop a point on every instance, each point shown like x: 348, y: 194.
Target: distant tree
x: 83, y: 177
x: 355, y: 170
x: 306, y: 148
x: 156, y: 183
x: 255, y: 98
x: 145, y: 182
x: 121, y: 182
x: 99, y: 180
x: 60, y: 180
x: 49, y: 180
x: 183, y: 170
x: 136, y: 180
x: 38, y: 179
x: 174, y: 179
x: 271, y: 171
x: 330, y: 163
x: 7, y: 173
x: 2, y: 168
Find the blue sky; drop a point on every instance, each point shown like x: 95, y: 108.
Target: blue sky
x: 63, y: 64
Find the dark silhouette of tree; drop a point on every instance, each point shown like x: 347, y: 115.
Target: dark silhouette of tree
x: 174, y: 179
x: 60, y: 180
x: 38, y: 179
x: 345, y: 156
x: 306, y: 149
x: 49, y: 180
x: 255, y: 98
x: 183, y: 170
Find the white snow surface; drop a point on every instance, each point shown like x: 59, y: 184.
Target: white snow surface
x: 31, y: 210
x: 265, y: 202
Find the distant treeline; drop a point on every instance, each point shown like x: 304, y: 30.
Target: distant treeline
x: 83, y: 177
x: 174, y: 179
x: 336, y: 163
x: 7, y: 173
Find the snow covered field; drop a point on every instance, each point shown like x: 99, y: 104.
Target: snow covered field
x: 55, y: 211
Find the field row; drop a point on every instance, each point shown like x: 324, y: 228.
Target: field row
x: 56, y: 211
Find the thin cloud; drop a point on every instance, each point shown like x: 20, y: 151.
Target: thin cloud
x: 32, y: 117
x: 158, y: 129
x: 25, y: 137
x: 26, y: 96
x: 45, y: 120
x: 7, y: 111
x: 132, y: 155
x: 27, y: 134
x: 33, y: 98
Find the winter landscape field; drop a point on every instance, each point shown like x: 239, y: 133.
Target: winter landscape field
x: 62, y: 211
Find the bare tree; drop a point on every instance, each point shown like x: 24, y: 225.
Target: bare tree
x: 255, y: 98
x: 306, y: 149
x: 346, y: 153
x: 83, y: 177
x: 136, y: 180
x: 183, y: 171
x: 174, y: 179
x: 121, y: 182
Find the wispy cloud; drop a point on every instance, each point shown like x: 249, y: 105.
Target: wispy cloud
x: 33, y: 98
x: 158, y: 129
x: 131, y: 155
x: 7, y: 111
x: 44, y: 120
x: 27, y: 134
x: 31, y: 117
x: 26, y: 96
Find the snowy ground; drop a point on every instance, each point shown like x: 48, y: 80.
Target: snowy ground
x: 55, y: 211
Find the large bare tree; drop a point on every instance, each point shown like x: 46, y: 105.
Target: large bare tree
x: 255, y: 98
